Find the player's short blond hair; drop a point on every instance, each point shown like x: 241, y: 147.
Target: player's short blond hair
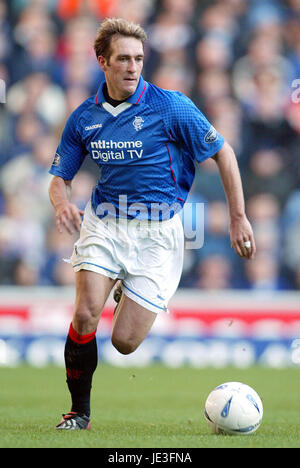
x: 116, y: 26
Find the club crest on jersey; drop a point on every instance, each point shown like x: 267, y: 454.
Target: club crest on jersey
x: 211, y: 135
x: 138, y: 123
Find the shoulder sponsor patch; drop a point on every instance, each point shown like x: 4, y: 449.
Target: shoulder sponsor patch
x: 211, y: 136
x: 56, y: 160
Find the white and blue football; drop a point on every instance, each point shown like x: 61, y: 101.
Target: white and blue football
x: 233, y: 408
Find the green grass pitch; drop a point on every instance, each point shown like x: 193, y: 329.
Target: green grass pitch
x: 152, y: 407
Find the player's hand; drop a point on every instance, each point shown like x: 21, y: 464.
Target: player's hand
x: 68, y: 217
x: 242, y: 238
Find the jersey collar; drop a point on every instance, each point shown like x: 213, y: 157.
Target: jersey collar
x: 135, y: 98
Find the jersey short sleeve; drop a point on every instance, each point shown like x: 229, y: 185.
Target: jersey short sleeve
x: 193, y: 131
x: 70, y: 152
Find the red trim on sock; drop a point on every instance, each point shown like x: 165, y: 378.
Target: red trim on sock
x: 80, y: 339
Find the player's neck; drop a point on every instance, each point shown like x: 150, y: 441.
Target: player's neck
x: 110, y: 100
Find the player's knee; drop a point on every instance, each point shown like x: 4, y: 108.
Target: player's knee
x: 125, y: 345
x: 83, y: 318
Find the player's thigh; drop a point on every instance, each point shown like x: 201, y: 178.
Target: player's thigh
x: 131, y: 326
x: 92, y: 291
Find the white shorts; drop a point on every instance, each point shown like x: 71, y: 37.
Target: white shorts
x: 146, y: 256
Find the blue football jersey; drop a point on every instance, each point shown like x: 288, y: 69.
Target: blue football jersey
x: 145, y: 149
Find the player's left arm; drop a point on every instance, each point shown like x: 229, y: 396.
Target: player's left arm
x: 240, y: 230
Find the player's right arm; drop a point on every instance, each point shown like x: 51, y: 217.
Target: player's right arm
x: 68, y: 216
x: 67, y: 161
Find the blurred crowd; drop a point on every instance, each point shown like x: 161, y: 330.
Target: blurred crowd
x: 238, y: 60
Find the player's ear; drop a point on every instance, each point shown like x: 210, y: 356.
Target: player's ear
x: 102, y: 62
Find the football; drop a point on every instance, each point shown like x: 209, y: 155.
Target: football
x: 233, y: 408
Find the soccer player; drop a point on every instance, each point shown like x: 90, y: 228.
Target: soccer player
x: 145, y: 141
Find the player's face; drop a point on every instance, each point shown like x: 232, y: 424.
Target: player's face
x: 124, y: 67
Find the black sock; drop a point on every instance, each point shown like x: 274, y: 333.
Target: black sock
x: 81, y: 358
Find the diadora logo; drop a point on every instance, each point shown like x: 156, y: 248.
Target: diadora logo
x: 110, y: 150
x: 138, y: 123
x: 92, y: 127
